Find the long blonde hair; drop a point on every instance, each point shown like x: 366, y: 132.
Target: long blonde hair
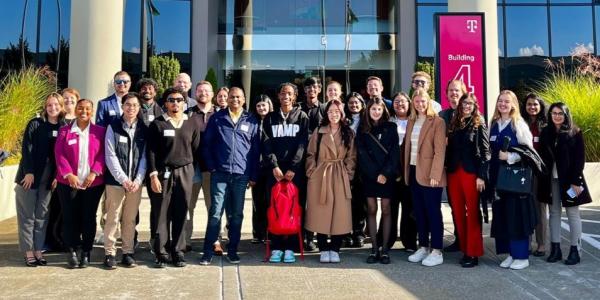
x: 430, y: 112
x: 515, y: 112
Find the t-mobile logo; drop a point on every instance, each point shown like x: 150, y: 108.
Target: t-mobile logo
x: 471, y: 25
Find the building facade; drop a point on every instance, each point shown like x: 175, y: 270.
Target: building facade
x: 258, y: 44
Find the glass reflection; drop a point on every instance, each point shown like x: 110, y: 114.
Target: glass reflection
x: 571, y: 27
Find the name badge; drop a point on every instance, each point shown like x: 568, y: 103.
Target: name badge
x: 54, y: 133
x: 244, y: 128
x: 167, y: 174
x: 72, y: 142
x: 536, y: 139
x: 169, y: 132
x: 492, y: 138
x: 112, y: 112
x: 150, y: 118
x: 122, y: 139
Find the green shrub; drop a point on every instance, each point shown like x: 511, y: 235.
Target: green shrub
x: 211, y: 77
x: 22, y: 95
x: 164, y: 69
x: 581, y: 92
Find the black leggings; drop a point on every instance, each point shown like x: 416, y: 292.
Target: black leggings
x: 79, y: 215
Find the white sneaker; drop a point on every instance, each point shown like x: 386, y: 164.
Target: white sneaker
x: 519, y: 264
x: 334, y: 257
x: 419, y: 255
x: 433, y: 259
x: 325, y: 257
x: 507, y: 262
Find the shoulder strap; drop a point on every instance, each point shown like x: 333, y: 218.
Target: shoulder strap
x: 378, y: 143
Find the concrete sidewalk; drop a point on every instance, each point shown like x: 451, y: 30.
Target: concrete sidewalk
x: 254, y: 279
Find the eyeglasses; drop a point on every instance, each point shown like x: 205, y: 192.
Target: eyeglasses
x: 468, y: 103
x: 334, y: 112
x: 122, y: 81
x: 558, y: 114
x: 173, y: 100
x: 133, y: 105
x: 419, y: 82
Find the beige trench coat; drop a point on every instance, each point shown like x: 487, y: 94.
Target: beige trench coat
x: 328, y: 204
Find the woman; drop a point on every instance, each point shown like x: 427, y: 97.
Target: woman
x: 259, y: 191
x: 221, y: 98
x: 284, y: 142
x: 467, y: 159
x: 378, y: 154
x: 425, y: 147
x: 561, y: 146
x: 330, y: 167
x: 71, y: 97
x: 334, y: 91
x: 408, y: 224
x: 79, y: 153
x: 35, y: 180
x: 514, y: 214
x: 535, y: 116
x: 354, y: 111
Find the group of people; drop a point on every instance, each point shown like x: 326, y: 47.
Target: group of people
x: 347, y: 156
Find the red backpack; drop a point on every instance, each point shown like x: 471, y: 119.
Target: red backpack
x: 284, y: 215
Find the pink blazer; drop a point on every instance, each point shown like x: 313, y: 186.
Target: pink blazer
x: 66, y: 152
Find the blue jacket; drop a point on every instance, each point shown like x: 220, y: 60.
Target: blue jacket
x: 232, y: 148
x: 108, y: 111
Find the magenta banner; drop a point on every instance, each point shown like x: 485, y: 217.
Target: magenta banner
x: 460, y: 54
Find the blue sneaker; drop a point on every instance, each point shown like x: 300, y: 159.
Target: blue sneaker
x: 289, y: 257
x: 276, y: 256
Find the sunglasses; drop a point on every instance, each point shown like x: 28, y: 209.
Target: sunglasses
x: 122, y: 81
x: 173, y: 100
x: 419, y: 82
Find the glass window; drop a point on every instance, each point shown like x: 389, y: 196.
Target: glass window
x: 526, y: 31
x: 525, y: 1
x: 597, y: 8
x: 425, y: 29
x: 571, y: 1
x: 571, y: 27
x: 526, y: 46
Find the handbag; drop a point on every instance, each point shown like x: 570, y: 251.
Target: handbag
x: 516, y: 178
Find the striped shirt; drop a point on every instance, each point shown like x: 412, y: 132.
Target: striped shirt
x: 414, y: 139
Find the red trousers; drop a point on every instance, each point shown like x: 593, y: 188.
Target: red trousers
x: 463, y: 194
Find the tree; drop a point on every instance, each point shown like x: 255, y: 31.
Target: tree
x: 211, y: 77
x: 164, y: 69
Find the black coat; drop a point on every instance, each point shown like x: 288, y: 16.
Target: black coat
x: 37, y: 150
x: 568, y: 153
x: 470, y: 148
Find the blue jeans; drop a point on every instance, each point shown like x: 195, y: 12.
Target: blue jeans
x: 227, y: 193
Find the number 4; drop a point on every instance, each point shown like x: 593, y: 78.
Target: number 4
x: 465, y: 71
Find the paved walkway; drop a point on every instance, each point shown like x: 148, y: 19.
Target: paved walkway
x: 351, y: 279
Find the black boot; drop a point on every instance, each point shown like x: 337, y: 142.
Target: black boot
x: 573, y: 257
x: 555, y: 253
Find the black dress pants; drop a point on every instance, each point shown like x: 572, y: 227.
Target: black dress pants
x: 79, y: 215
x: 176, y: 195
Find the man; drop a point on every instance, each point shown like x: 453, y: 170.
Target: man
x: 313, y: 108
x: 375, y: 89
x: 125, y: 151
x: 184, y: 82
x: 231, y: 152
x: 150, y: 109
x: 109, y: 108
x: 173, y: 140
x: 204, y: 109
x: 422, y: 79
